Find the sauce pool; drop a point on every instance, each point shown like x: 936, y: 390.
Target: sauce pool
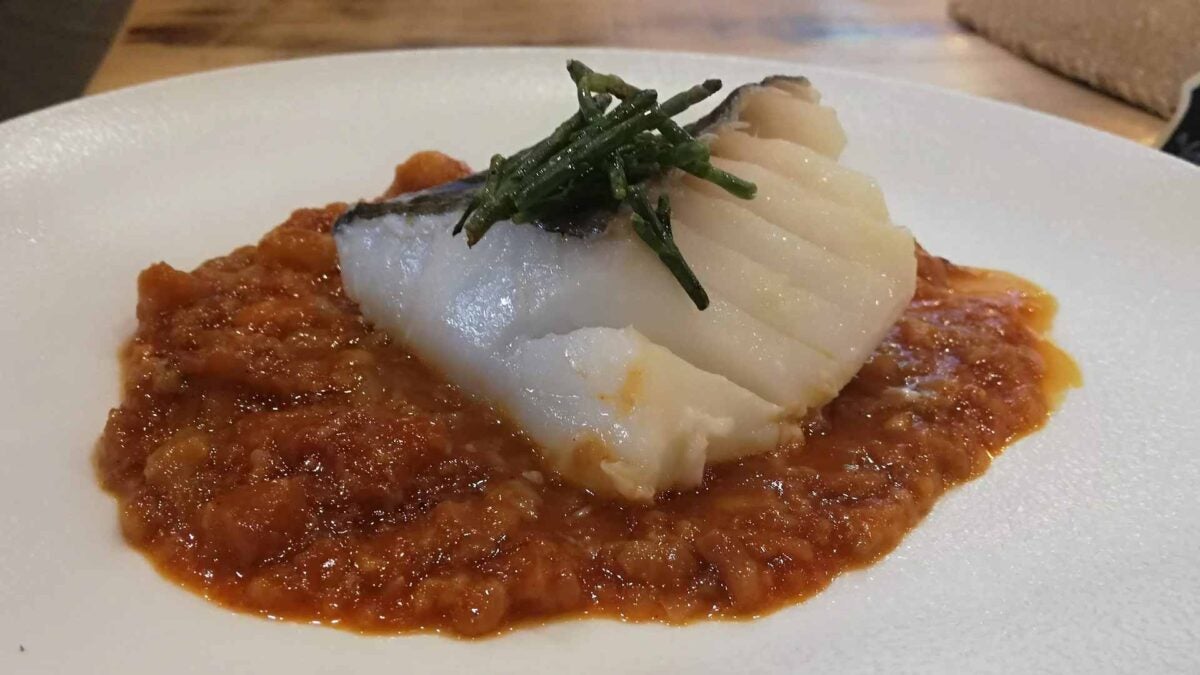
x: 275, y: 454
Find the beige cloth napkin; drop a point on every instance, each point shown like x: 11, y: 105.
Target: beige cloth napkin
x: 1139, y: 50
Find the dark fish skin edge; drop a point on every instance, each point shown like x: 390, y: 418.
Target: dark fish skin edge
x: 452, y: 195
x: 435, y: 200
x: 726, y: 108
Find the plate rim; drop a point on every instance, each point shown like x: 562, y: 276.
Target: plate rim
x: 36, y: 117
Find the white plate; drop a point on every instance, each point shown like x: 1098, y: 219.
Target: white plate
x: 1078, y: 551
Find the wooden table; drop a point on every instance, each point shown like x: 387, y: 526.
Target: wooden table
x: 907, y: 39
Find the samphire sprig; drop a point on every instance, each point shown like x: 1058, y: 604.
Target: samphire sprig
x: 601, y: 158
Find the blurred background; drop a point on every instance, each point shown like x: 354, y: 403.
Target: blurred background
x: 1113, y: 64
x: 50, y: 48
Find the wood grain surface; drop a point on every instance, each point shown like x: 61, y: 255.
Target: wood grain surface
x: 907, y: 39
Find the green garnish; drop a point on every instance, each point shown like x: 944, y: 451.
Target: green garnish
x: 601, y: 159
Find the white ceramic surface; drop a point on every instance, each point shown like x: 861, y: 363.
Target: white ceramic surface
x: 1079, y: 551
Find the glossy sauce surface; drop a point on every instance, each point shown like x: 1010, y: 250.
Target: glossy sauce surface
x: 276, y: 454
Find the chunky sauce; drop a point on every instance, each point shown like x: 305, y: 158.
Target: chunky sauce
x: 276, y: 454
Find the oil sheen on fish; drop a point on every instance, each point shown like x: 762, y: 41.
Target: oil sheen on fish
x: 587, y: 342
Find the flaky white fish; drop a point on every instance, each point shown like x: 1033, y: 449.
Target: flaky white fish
x: 590, y: 345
